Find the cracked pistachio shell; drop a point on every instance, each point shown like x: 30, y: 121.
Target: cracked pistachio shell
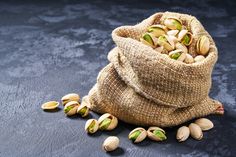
x: 178, y: 55
x: 91, y: 126
x: 204, y: 124
x: 195, y: 131
x: 157, y: 30
x: 166, y: 42
x: 181, y: 47
x: 173, y: 38
x: 199, y: 58
x: 110, y: 143
x: 149, y: 39
x: 188, y: 59
x: 50, y: 105
x: 156, y: 134
x: 182, y: 133
x: 107, y: 122
x: 203, y: 45
x: 173, y: 23
x: 83, y: 110
x: 185, y: 37
x: 137, y: 135
x: 173, y: 32
x: 70, y: 97
x: 71, y: 108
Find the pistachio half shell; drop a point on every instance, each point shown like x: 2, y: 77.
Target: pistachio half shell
x: 111, y: 143
x: 195, y: 131
x: 70, y: 97
x: 83, y: 110
x: 91, y: 126
x: 177, y: 55
x: 173, y: 23
x: 71, y: 108
x: 149, y: 39
x: 173, y: 32
x: 181, y: 47
x: 199, y: 58
x: 185, y: 37
x: 188, y: 59
x: 157, y: 30
x: 156, y: 134
x: 204, y: 123
x: 159, y: 49
x: 137, y: 135
x: 166, y: 42
x: 50, y: 105
x: 203, y: 45
x: 107, y: 122
x: 182, y: 133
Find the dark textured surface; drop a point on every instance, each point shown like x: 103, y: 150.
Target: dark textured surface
x: 48, y: 49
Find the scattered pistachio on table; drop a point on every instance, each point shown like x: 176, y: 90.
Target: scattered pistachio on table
x: 182, y: 133
x: 50, y: 105
x: 69, y: 97
x: 71, y: 108
x: 91, y: 126
x: 111, y: 143
x: 107, y: 122
x: 195, y: 131
x: 156, y: 134
x: 83, y: 110
x: 137, y: 135
x: 204, y: 124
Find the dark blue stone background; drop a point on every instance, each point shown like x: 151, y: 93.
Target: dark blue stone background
x: 51, y: 48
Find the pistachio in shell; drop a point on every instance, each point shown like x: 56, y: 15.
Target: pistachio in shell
x: 156, y: 134
x: 83, y: 110
x: 188, y: 59
x: 91, y: 126
x: 173, y: 23
x: 157, y: 30
x: 166, y: 42
x: 137, y: 135
x: 111, y: 143
x: 178, y: 55
x: 70, y: 97
x: 71, y: 108
x: 107, y: 122
x: 185, y: 37
x: 199, y: 58
x: 204, y: 123
x: 149, y: 39
x: 182, y: 133
x: 203, y: 45
x: 195, y: 131
x: 50, y: 105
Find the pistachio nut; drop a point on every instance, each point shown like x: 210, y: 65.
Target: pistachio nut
x: 203, y: 45
x: 110, y: 143
x: 70, y: 97
x: 137, y: 135
x: 204, y: 123
x: 173, y: 32
x: 149, y: 39
x: 182, y: 133
x: 107, y: 122
x: 188, y: 59
x: 195, y: 131
x: 83, y: 110
x: 91, y: 126
x: 156, y: 134
x: 181, y: 47
x: 178, y: 55
x: 166, y: 42
x: 199, y: 58
x: 71, y: 108
x: 157, y: 30
x: 185, y: 37
x: 173, y: 23
x: 159, y: 49
x: 50, y: 105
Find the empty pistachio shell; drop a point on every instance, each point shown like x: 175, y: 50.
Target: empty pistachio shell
x: 166, y: 42
x: 138, y: 135
x: 173, y: 23
x: 149, y: 39
x: 50, y: 105
x: 173, y: 32
x: 107, y: 122
x: 199, y: 58
x: 173, y: 38
x: 157, y: 30
x: 70, y: 97
x: 188, y: 59
x: 159, y: 49
x: 111, y: 143
x: 182, y: 133
x: 204, y: 123
x: 71, y: 108
x: 203, y: 45
x: 181, y: 47
x: 83, y: 110
x: 195, y: 131
x: 185, y: 37
x: 177, y: 55
x: 91, y: 126
x: 156, y: 134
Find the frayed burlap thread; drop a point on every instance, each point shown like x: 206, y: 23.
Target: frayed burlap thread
x: 143, y: 87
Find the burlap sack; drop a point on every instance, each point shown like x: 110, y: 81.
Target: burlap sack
x: 143, y: 87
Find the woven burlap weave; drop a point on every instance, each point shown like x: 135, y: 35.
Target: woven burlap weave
x: 143, y: 87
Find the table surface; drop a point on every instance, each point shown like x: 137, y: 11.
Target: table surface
x: 51, y: 48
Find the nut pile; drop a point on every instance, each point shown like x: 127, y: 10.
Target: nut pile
x: 173, y: 39
x: 194, y: 129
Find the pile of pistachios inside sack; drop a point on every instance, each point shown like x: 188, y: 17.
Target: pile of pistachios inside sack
x: 173, y: 39
x: 108, y: 122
